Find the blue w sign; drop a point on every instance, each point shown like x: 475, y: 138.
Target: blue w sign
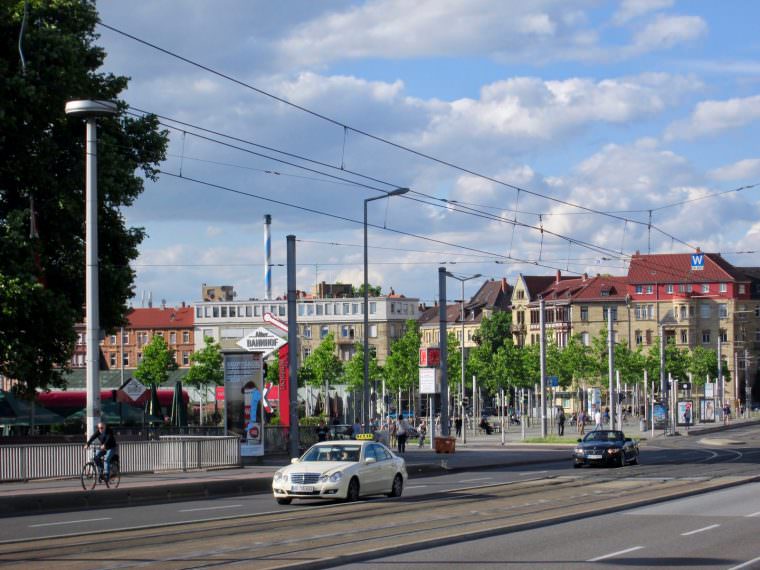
x: 697, y: 261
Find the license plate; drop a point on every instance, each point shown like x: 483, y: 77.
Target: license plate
x: 302, y: 488
x: 594, y: 456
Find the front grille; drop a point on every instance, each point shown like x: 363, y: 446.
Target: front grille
x: 304, y: 478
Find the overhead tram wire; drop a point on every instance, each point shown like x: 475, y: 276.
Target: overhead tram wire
x: 377, y: 138
x: 351, y: 220
x: 435, y: 201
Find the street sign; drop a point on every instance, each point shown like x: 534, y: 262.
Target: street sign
x: 219, y: 393
x: 553, y: 381
x: 261, y: 340
x: 134, y: 389
x: 697, y: 261
x: 429, y: 381
x: 430, y: 357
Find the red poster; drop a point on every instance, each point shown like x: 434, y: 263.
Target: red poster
x: 284, y: 387
x: 220, y: 393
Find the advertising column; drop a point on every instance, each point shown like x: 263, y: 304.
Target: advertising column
x: 242, y: 394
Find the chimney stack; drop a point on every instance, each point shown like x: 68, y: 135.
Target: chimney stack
x: 559, y: 276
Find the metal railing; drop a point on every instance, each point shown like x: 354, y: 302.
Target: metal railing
x: 171, y: 453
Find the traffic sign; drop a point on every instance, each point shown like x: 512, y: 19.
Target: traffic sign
x: 261, y: 340
x: 430, y: 382
x: 134, y: 389
x: 553, y: 381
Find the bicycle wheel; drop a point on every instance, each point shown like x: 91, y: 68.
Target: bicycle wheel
x: 89, y: 476
x: 115, y: 477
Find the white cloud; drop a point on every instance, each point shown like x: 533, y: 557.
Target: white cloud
x: 630, y: 9
x: 710, y: 117
x: 741, y: 170
x: 666, y: 31
x: 214, y: 231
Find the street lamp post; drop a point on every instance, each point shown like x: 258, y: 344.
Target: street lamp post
x: 461, y: 392
x: 365, y: 402
x: 90, y: 110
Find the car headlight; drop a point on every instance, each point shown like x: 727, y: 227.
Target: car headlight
x: 578, y: 451
x: 281, y: 477
x: 334, y: 478
x: 613, y: 451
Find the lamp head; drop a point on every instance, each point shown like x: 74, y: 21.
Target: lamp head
x: 90, y: 108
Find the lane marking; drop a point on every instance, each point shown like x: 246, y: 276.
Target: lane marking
x: 752, y: 515
x: 533, y: 472
x: 416, y: 486
x: 476, y: 479
x: 209, y: 508
x: 748, y: 563
x: 618, y: 553
x: 69, y: 522
x: 712, y: 526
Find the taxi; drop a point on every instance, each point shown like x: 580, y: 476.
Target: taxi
x: 343, y: 469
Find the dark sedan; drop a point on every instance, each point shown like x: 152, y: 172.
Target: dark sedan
x: 605, y: 447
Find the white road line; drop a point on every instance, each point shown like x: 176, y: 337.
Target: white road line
x: 209, y: 508
x: 748, y: 563
x: 753, y: 515
x: 533, y: 472
x: 477, y: 479
x: 712, y: 526
x: 69, y: 522
x: 618, y: 553
x: 416, y: 486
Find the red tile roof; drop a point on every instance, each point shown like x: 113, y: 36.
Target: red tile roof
x: 676, y: 268
x: 168, y: 318
x: 537, y: 283
x: 587, y: 289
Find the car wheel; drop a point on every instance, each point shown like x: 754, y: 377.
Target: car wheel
x: 635, y: 460
x: 353, y: 490
x: 398, y: 486
x: 621, y: 461
x: 284, y: 501
x: 577, y: 465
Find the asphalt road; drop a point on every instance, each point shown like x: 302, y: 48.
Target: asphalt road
x: 711, y: 531
x: 508, y: 498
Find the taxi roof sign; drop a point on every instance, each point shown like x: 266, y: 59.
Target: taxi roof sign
x: 364, y: 436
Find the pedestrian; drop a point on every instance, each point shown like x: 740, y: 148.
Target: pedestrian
x: 726, y: 413
x: 606, y: 416
x: 560, y: 421
x: 597, y: 419
x: 356, y: 428
x: 687, y: 416
x: 422, y: 431
x: 581, y: 422
x: 322, y: 431
x: 392, y: 429
x: 402, y: 427
x: 458, y: 426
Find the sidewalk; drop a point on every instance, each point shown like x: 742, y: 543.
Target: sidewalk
x: 480, y: 451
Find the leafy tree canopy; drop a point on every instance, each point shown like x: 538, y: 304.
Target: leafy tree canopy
x: 206, y: 365
x: 323, y: 364
x: 42, y: 288
x: 402, y: 364
x: 157, y: 362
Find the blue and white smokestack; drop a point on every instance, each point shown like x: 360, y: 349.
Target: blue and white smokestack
x: 268, y: 256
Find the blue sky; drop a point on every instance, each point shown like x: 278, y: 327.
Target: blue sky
x: 614, y: 106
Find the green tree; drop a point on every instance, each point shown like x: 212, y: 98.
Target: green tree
x: 206, y: 365
x: 374, y: 291
x: 323, y: 364
x: 353, y: 371
x: 402, y: 364
x: 454, y: 363
x: 41, y: 279
x: 575, y: 361
x: 273, y: 370
x: 703, y: 363
x: 494, y: 333
x: 157, y: 362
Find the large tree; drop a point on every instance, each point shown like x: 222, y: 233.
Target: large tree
x: 403, y: 362
x: 42, y: 288
x: 157, y: 361
x: 206, y: 366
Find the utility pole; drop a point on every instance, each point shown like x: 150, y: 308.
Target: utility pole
x: 444, y: 351
x: 542, y: 362
x: 611, y: 365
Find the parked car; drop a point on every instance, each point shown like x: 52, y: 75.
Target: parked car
x: 341, y: 431
x: 606, y: 447
x: 341, y: 470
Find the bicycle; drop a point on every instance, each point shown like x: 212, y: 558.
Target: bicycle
x: 91, y: 472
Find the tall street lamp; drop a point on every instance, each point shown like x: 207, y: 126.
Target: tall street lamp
x: 90, y: 110
x: 461, y: 394
x: 365, y: 402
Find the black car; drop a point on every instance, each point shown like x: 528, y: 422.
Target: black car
x: 605, y: 447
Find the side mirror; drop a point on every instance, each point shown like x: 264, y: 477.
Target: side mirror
x: 295, y: 460
x: 370, y: 460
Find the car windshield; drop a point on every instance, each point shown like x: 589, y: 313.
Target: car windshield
x: 333, y: 453
x: 604, y: 435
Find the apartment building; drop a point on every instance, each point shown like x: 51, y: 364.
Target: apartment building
x: 526, y: 290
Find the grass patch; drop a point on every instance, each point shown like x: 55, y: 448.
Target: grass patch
x: 551, y: 439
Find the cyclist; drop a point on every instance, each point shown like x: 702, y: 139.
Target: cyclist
x: 108, y: 447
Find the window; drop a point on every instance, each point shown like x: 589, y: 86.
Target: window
x: 723, y: 311
x: 185, y: 359
x: 125, y: 338
x: 139, y: 357
x: 649, y: 337
x: 742, y: 288
x: 392, y: 331
x: 320, y: 309
x: 723, y: 287
x: 639, y: 289
x: 257, y: 310
x: 705, y: 287
x: 683, y: 288
x: 373, y: 351
x: 723, y: 334
x: 248, y: 311
x: 185, y: 337
x: 639, y: 338
x: 206, y: 311
x: 172, y: 337
x: 585, y: 339
x: 372, y: 308
x: 81, y: 340
x: 113, y: 339
x: 208, y: 333
x: 198, y: 312
x: 614, y: 313
x: 584, y: 312
x: 301, y: 310
x: 684, y: 336
x: 306, y: 353
x: 669, y: 288
x: 282, y: 310
x: 112, y: 359
x: 344, y: 330
x: 706, y: 337
x: 307, y: 331
x: 328, y: 309
x: 650, y: 289
x: 324, y: 331
x: 354, y: 308
x: 309, y: 309
x: 125, y: 359
x: 215, y: 312
x: 373, y: 331
x: 233, y: 312
x: 346, y: 308
x: 682, y: 311
x: 704, y: 311
x: 159, y: 333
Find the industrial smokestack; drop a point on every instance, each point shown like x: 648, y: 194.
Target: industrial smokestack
x: 267, y: 256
